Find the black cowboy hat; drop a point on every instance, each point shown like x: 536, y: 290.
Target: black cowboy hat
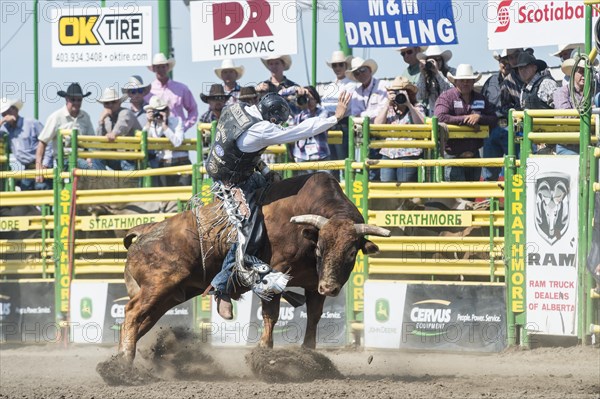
x: 216, y: 92
x: 74, y: 90
x: 527, y: 59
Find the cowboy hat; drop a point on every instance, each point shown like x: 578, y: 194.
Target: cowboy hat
x: 358, y: 62
x: 464, y: 71
x: 134, y: 82
x: 6, y: 103
x: 286, y: 59
x: 337, y: 57
x: 248, y: 93
x: 228, y: 64
x: 156, y: 103
x: 74, y: 90
x: 435, y: 51
x: 568, y: 65
x: 421, y: 48
x: 527, y: 59
x: 110, y: 94
x: 401, y: 83
x: 216, y: 92
x: 506, y: 52
x: 571, y: 46
x: 160, y: 59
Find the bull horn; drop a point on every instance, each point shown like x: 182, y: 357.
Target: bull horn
x: 369, y: 229
x: 313, y: 220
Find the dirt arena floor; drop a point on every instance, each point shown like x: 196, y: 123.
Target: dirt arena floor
x: 204, y: 372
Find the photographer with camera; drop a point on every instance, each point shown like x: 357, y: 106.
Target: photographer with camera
x: 433, y: 80
x: 162, y: 124
x: 402, y: 109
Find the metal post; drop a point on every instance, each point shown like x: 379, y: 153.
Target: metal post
x: 314, y: 43
x: 146, y: 180
x: 164, y: 28
x: 437, y: 171
x: 36, y: 76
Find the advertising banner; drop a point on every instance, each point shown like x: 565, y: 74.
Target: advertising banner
x: 27, y: 312
x: 107, y: 36
x: 398, y: 23
x: 435, y: 316
x: 535, y: 23
x: 551, y: 235
x: 242, y: 28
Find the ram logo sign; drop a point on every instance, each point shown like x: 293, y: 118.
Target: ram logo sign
x: 552, y: 206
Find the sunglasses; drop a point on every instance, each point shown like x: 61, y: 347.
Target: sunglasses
x: 135, y: 91
x: 338, y: 64
x: 360, y: 71
x: 405, y: 52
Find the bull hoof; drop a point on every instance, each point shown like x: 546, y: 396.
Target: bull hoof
x: 121, y: 371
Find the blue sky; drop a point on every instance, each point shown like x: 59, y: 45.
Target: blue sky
x: 16, y: 57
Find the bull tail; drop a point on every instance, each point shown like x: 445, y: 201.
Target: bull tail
x: 135, y: 232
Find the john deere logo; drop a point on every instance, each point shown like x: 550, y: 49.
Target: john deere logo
x: 86, y: 308
x: 382, y: 310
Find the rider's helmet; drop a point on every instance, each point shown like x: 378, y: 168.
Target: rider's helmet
x: 274, y: 108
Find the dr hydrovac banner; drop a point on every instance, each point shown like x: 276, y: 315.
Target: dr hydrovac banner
x: 398, y: 23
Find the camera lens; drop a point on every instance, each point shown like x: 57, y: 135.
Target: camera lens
x: 157, y: 114
x: 429, y: 65
x: 400, y: 98
x: 302, y: 100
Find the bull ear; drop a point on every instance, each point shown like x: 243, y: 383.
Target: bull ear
x: 311, y: 235
x: 370, y: 248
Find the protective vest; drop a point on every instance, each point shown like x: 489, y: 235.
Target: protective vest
x: 226, y: 162
x: 530, y: 98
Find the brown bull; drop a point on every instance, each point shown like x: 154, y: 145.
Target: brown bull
x: 318, y: 249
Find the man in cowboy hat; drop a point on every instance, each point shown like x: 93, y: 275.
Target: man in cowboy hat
x: 229, y: 73
x: 565, y: 50
x: 137, y: 90
x: 409, y: 55
x: 23, y: 137
x: 176, y: 94
x: 71, y: 116
x: 248, y: 95
x: 538, y: 89
x: 510, y: 88
x: 461, y: 105
x: 277, y: 82
x: 433, y: 79
x: 161, y: 123
x: 216, y: 100
x: 116, y: 120
x: 402, y: 109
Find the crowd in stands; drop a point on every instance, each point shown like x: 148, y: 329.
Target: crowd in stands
x: 427, y: 86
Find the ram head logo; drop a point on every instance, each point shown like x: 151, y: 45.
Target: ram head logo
x: 552, y: 207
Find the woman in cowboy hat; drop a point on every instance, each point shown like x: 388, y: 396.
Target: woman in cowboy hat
x: 461, y: 105
x: 137, y: 90
x: 23, y: 135
x: 71, y: 116
x: 433, y: 80
x: 178, y: 95
x: 402, y: 109
x: 229, y: 73
x: 216, y: 100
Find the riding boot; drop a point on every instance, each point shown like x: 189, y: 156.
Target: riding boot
x: 224, y: 306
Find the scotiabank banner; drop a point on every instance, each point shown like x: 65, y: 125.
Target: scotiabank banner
x: 520, y: 23
x: 242, y: 28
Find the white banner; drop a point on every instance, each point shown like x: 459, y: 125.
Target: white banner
x: 384, y: 311
x: 106, y: 36
x: 88, y: 305
x: 242, y: 28
x: 551, y: 239
x: 525, y: 23
x: 237, y: 331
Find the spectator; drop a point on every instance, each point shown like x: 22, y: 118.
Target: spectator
x: 413, y: 70
x: 23, y: 138
x: 71, y: 116
x: 369, y: 97
x: 248, y: 95
x: 216, y: 100
x: 461, y: 105
x: 114, y: 121
x: 510, y: 89
x: 496, y: 144
x: 538, y: 89
x: 433, y: 79
x: 279, y: 83
x: 230, y: 74
x: 566, y: 51
x: 137, y: 91
x: 402, y: 109
x: 313, y: 148
x: 177, y: 95
x: 162, y: 124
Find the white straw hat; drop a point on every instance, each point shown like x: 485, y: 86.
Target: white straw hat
x: 160, y: 59
x: 286, y: 59
x: 358, y: 62
x: 110, y: 94
x: 464, y: 71
x: 134, y: 82
x: 156, y: 103
x: 228, y: 64
x: 6, y: 103
x: 337, y: 57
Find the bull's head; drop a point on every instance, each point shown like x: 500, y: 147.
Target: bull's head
x: 337, y: 242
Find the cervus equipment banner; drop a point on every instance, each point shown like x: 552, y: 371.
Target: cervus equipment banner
x: 398, y: 23
x: 552, y: 189
x: 242, y: 28
x: 534, y: 23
